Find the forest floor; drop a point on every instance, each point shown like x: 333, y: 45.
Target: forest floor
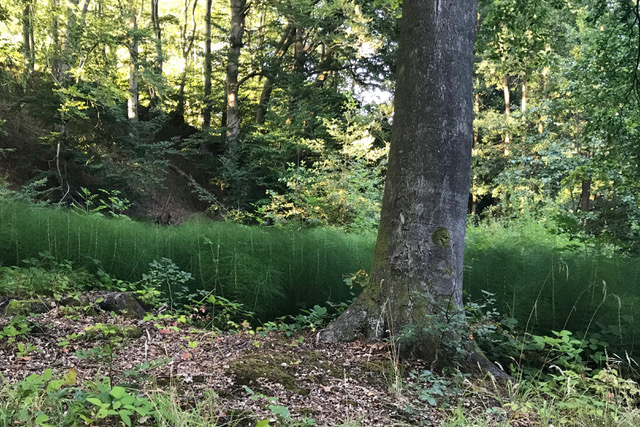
x: 247, y: 376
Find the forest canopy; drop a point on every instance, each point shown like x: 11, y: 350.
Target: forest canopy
x: 279, y: 112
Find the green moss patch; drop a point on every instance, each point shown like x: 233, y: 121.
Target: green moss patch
x: 25, y: 307
x: 283, y: 369
x: 273, y: 367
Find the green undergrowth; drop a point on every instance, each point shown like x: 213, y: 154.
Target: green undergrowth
x: 271, y: 271
x: 542, y: 279
x: 548, y: 282
x: 560, y: 379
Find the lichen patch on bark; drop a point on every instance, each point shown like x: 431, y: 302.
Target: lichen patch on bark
x: 441, y: 237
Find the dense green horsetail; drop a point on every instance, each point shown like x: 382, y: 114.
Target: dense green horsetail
x: 544, y: 280
x: 548, y: 282
x: 271, y: 271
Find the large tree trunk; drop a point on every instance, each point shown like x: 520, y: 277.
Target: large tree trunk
x: 416, y: 279
x: 238, y: 14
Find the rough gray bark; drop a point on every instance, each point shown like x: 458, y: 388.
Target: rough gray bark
x: 416, y: 278
x: 238, y: 14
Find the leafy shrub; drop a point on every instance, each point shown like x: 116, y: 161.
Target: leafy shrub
x: 43, y: 276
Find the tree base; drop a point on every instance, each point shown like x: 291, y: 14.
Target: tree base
x: 366, y: 320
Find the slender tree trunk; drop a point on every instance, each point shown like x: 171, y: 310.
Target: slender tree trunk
x: 28, y: 47
x: 283, y: 46
x: 206, y: 112
x: 32, y: 41
x: 474, y: 209
x: 523, y: 100
x: 238, y: 14
x: 83, y: 16
x: 476, y: 111
x: 157, y: 35
x: 416, y: 278
x: 55, y: 41
x: 265, y: 97
x: 544, y: 97
x: 188, y: 38
x: 507, y: 113
x: 157, y: 61
x: 585, y: 196
x: 299, y: 51
x: 132, y: 103
x: 325, y: 66
x: 67, y: 54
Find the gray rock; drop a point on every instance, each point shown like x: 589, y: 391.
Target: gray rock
x: 124, y: 303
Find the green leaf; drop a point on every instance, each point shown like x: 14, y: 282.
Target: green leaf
x: 142, y: 411
x: 70, y: 377
x: 125, y: 418
x: 46, y: 375
x: 118, y: 392
x: 280, y: 410
x: 262, y: 423
x: 42, y: 418
x: 55, y: 385
x: 127, y: 399
x: 95, y: 401
x: 33, y: 378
